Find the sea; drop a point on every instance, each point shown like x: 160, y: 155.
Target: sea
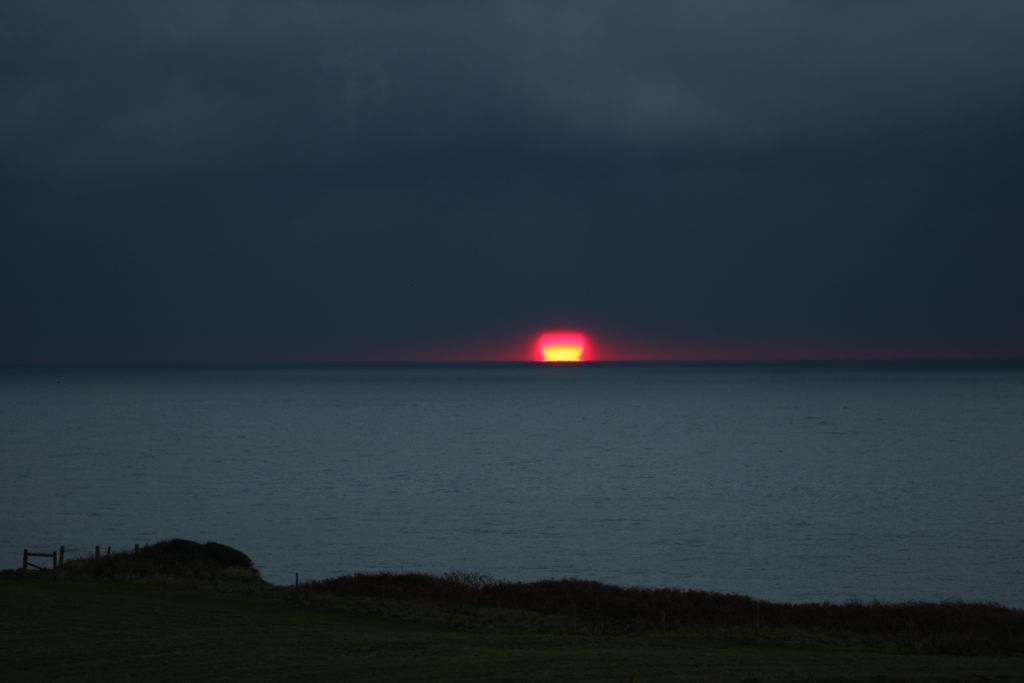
x: 790, y: 482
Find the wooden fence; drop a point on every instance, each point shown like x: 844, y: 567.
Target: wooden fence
x: 56, y: 557
x: 25, y: 564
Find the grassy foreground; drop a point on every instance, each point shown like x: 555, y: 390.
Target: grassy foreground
x: 95, y: 629
x: 180, y: 610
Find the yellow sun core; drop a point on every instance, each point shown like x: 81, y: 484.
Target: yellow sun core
x: 561, y: 347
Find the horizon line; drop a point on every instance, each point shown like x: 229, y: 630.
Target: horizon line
x: 933, y: 362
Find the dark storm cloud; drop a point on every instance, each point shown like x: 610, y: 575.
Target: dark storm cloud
x: 307, y: 180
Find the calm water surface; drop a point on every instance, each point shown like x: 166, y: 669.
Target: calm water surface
x: 810, y: 483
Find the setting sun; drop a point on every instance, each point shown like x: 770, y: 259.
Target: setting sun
x: 561, y: 347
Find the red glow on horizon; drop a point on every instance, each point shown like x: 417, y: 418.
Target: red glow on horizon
x: 562, y: 347
x: 640, y: 346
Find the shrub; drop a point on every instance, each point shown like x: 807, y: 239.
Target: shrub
x: 174, y: 558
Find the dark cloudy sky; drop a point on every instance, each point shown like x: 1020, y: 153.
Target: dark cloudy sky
x: 207, y: 181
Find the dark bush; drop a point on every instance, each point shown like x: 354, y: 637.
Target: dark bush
x: 173, y: 558
x: 184, y: 552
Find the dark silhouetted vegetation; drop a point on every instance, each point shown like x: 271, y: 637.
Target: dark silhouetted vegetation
x: 596, y: 608
x: 180, y: 610
x: 114, y: 630
x: 172, y: 559
x: 589, y: 607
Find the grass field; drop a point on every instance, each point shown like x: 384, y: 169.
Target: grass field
x: 107, y: 630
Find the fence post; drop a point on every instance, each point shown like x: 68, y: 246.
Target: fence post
x: 97, y: 552
x: 24, y: 559
x: 108, y: 551
x: 60, y: 562
x: 136, y: 551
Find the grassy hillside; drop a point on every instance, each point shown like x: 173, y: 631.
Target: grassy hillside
x: 100, y: 629
x: 589, y: 607
x: 184, y: 611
